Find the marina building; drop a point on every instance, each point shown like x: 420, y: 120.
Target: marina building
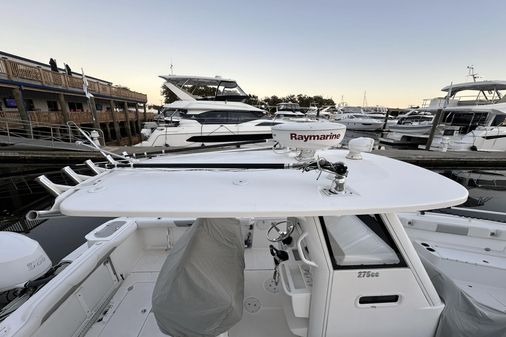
x: 37, y: 94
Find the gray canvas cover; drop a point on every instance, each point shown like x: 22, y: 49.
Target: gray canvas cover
x: 463, y: 315
x: 200, y: 289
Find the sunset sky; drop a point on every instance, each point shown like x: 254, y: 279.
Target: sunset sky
x: 400, y: 52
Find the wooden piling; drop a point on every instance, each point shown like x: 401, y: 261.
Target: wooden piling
x: 127, y: 124
x: 435, y: 123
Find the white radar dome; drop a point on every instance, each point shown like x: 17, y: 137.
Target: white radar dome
x: 21, y: 259
x: 311, y: 136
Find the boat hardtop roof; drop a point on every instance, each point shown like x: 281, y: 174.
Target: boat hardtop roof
x: 375, y: 184
x: 480, y: 85
x: 211, y: 105
x: 495, y: 108
x: 211, y: 79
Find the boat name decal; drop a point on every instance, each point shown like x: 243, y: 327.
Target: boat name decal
x: 305, y: 138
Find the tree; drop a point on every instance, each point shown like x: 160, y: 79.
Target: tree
x: 168, y: 95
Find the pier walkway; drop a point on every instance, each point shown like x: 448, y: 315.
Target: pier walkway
x: 428, y: 159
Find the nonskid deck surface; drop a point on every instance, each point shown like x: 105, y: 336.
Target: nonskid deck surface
x: 128, y: 313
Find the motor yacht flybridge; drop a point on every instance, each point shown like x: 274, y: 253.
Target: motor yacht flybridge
x: 300, y: 241
x: 209, y: 111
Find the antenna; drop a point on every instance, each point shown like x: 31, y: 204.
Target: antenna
x: 472, y: 73
x: 171, y: 67
x: 364, y: 101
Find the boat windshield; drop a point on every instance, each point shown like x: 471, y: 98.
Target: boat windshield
x: 358, y: 241
x: 226, y: 88
x: 172, y: 113
x: 288, y: 107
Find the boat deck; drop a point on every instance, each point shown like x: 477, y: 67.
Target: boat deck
x: 128, y: 313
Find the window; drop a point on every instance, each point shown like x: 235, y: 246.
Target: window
x: 10, y: 102
x: 360, y: 241
x: 52, y: 106
x: 237, y: 117
x: 29, y: 106
x: 229, y: 89
x: 499, y: 120
x: 75, y: 106
x: 212, y: 117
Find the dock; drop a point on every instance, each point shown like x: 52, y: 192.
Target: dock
x: 433, y: 160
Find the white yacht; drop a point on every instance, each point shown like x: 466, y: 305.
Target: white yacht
x: 413, y: 122
x: 476, y: 128
x: 250, y: 243
x: 473, y: 117
x: 359, y: 121
x: 289, y: 111
x: 411, y: 129
x: 208, y: 112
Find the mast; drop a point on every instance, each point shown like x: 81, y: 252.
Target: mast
x: 472, y: 73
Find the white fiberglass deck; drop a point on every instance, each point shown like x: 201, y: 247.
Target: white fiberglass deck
x: 128, y: 313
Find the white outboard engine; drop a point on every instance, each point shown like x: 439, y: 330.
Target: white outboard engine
x: 21, y: 260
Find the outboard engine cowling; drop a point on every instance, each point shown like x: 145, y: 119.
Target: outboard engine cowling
x: 21, y: 260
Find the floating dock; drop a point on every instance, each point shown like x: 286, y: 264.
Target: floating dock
x: 427, y: 159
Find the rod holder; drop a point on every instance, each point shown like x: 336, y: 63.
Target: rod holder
x: 42, y: 215
x: 96, y: 169
x: 74, y: 176
x: 54, y: 189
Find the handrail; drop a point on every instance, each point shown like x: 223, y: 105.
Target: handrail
x: 17, y: 70
x: 55, y: 133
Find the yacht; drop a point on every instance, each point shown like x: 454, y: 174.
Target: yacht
x: 472, y: 119
x: 408, y: 129
x: 304, y: 241
x: 476, y: 128
x: 289, y: 111
x: 209, y: 111
x: 359, y: 121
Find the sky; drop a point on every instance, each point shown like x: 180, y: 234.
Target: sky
x: 397, y: 51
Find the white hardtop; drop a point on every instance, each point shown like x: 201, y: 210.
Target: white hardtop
x: 211, y: 105
x: 497, y: 108
x: 375, y: 184
x: 200, y: 78
x: 480, y: 85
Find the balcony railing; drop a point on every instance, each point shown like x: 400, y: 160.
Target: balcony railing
x: 20, y: 71
x: 78, y: 117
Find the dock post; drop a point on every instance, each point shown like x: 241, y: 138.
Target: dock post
x: 435, y: 123
x: 385, y: 122
x: 117, y: 130
x: 138, y: 118
x: 127, y: 124
x: 20, y: 104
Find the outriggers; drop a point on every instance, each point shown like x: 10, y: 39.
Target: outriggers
x: 324, y: 250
